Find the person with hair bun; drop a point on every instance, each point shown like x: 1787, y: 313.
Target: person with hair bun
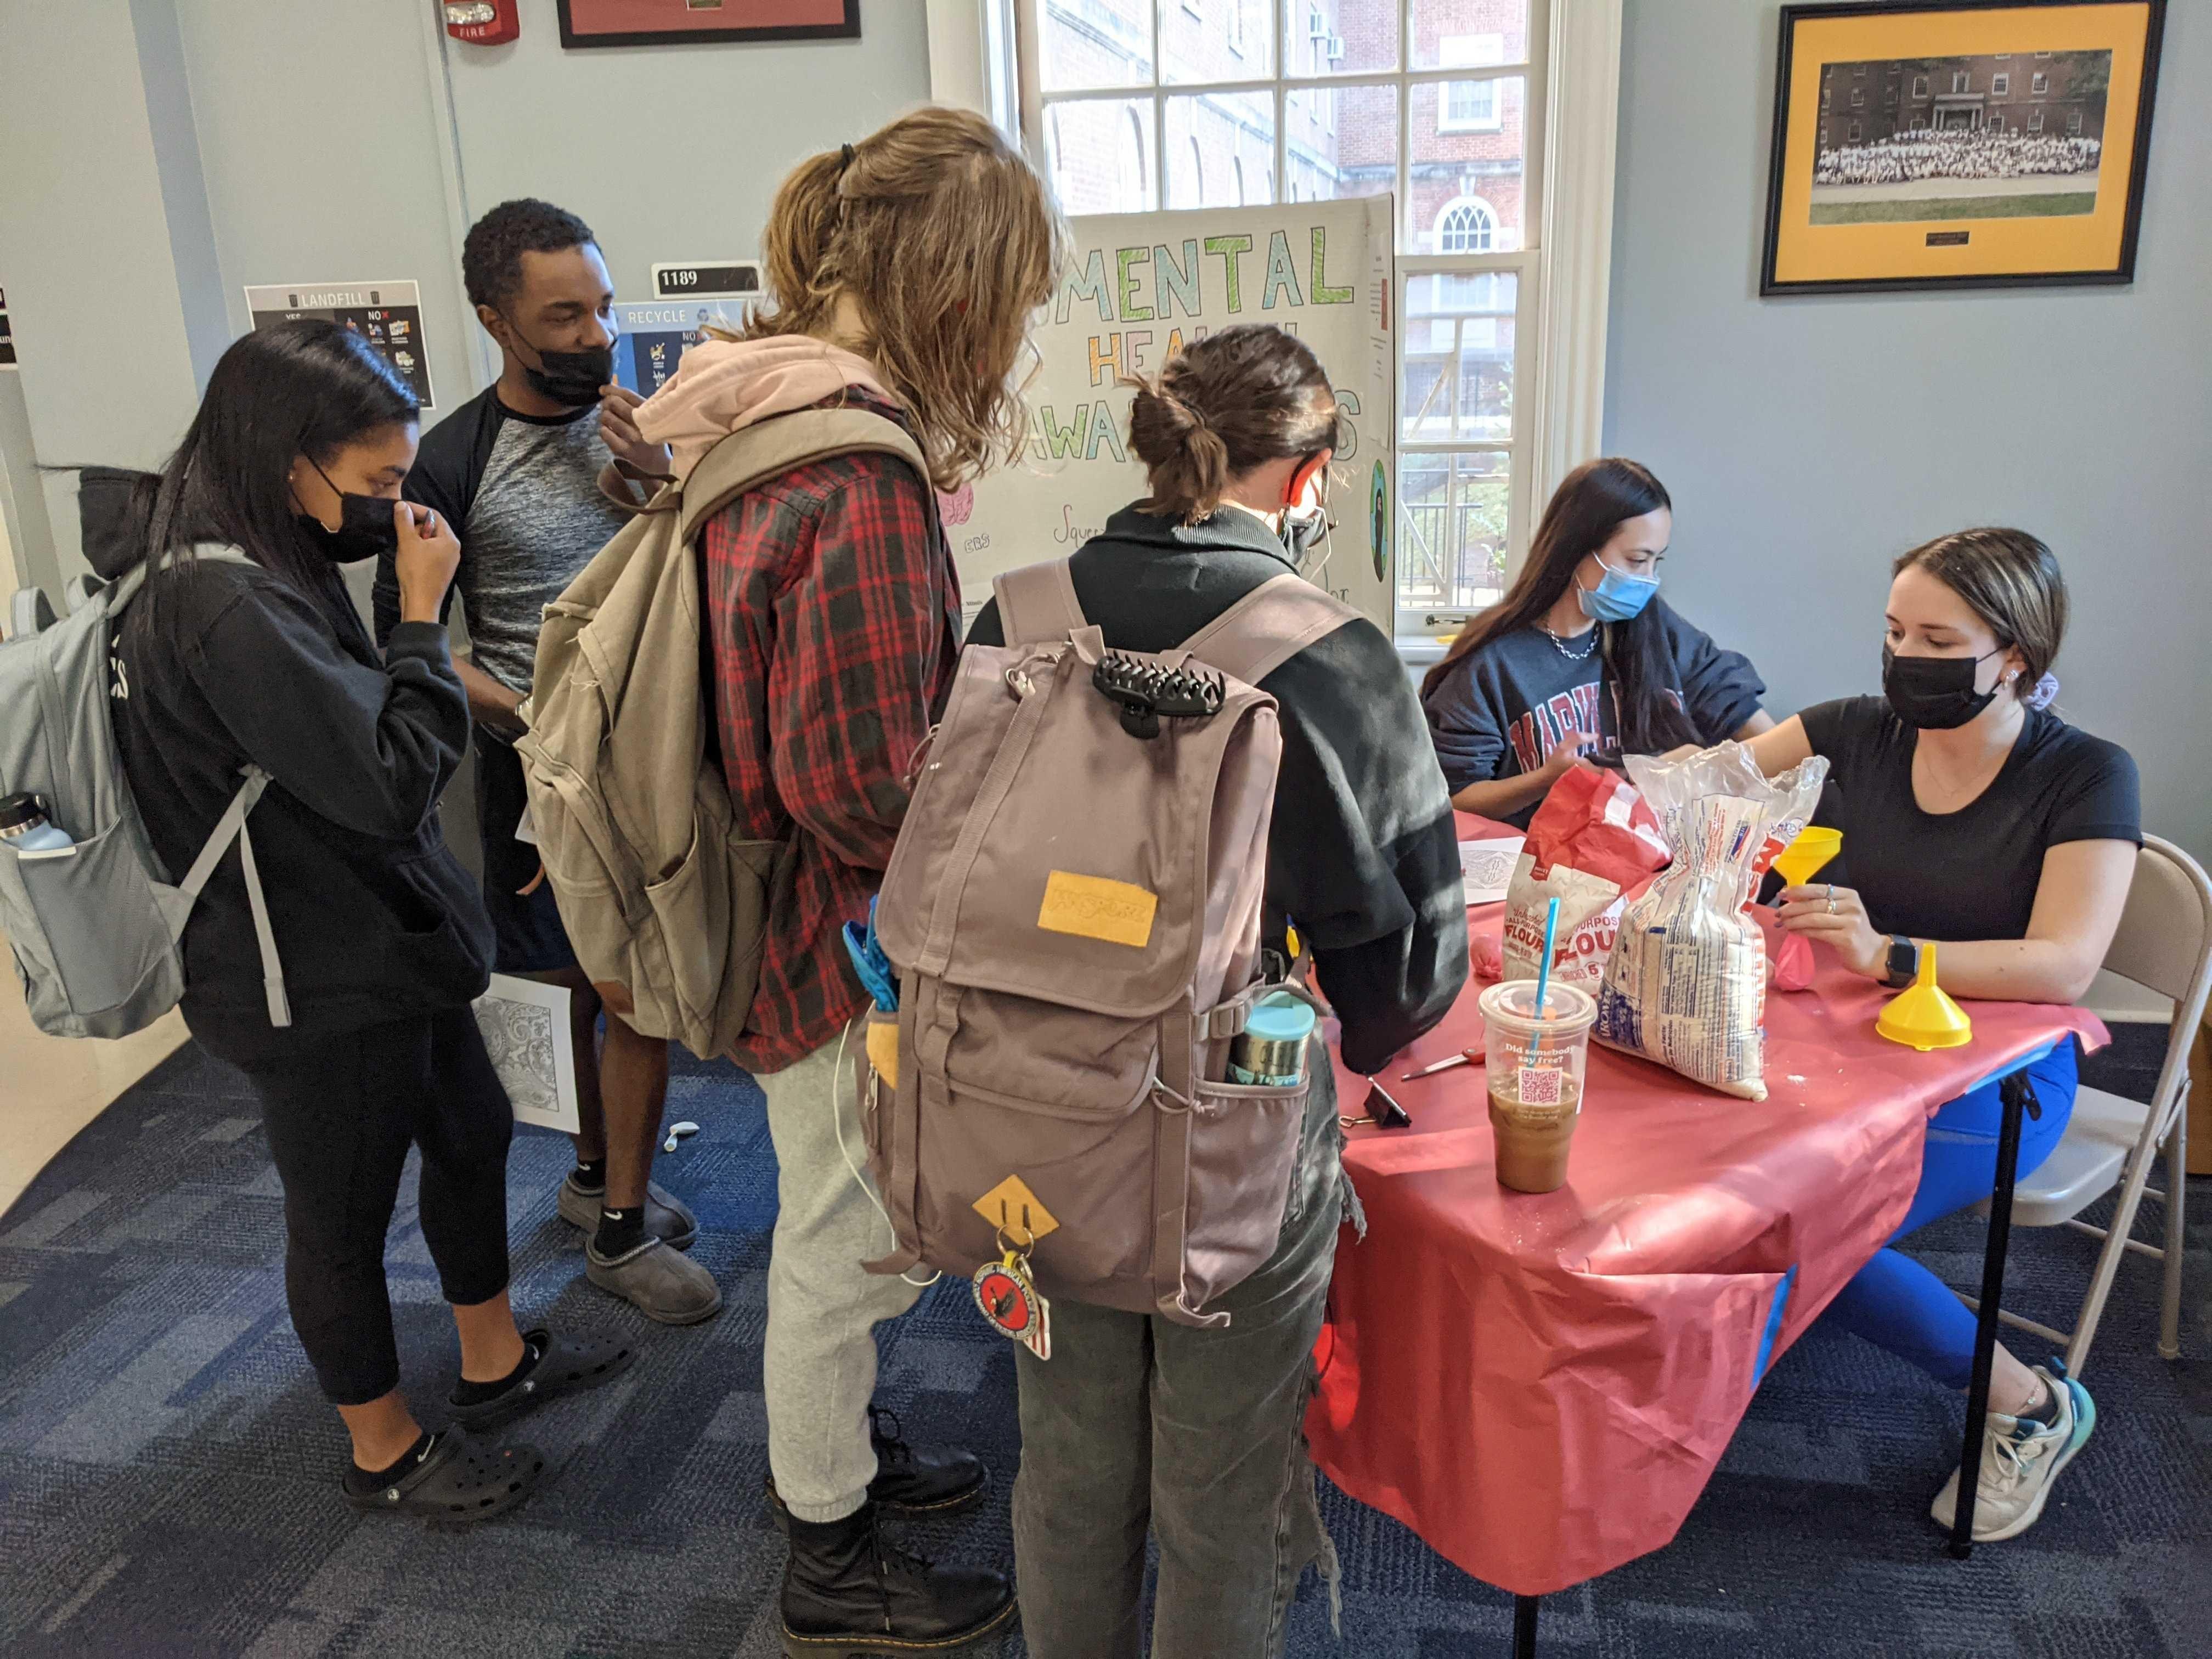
x: 1138, y: 1426
x: 1972, y: 815
x: 904, y: 270
x: 1581, y: 654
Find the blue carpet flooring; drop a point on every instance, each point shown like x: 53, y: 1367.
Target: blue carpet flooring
x: 167, y: 1467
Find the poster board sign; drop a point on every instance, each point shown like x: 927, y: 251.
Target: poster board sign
x: 656, y: 333
x: 1138, y: 287
x: 388, y: 315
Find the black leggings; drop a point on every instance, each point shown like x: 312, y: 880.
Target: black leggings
x: 341, y: 1112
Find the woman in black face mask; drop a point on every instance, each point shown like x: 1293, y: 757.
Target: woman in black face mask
x: 244, y: 651
x: 1972, y: 815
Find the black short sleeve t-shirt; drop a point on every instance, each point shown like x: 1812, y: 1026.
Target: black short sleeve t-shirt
x: 1970, y: 874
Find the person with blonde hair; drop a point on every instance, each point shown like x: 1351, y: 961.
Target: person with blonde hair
x: 904, y: 270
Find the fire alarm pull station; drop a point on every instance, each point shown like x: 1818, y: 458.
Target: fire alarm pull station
x: 482, y: 23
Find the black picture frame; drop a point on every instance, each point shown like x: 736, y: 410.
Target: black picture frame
x: 2122, y: 273
x: 732, y: 35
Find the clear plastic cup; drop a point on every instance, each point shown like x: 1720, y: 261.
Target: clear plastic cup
x: 1535, y: 1061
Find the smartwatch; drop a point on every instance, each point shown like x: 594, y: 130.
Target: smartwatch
x: 1904, y: 962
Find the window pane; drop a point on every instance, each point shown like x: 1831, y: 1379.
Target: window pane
x: 1217, y: 40
x: 1454, y: 33
x: 1095, y: 43
x: 1221, y: 149
x: 1339, y: 36
x: 1452, y: 516
x: 1459, y: 355
x: 1343, y: 142
x: 1101, y: 154
x: 1468, y: 151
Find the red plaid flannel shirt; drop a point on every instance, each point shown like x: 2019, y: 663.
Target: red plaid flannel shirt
x: 833, y: 617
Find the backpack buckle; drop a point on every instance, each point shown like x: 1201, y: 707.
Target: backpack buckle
x: 1146, y: 693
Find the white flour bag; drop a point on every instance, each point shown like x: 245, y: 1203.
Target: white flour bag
x: 1685, y: 984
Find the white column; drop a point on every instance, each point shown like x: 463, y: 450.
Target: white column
x: 1581, y: 137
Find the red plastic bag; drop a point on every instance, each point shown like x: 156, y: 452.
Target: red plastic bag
x: 1592, y: 845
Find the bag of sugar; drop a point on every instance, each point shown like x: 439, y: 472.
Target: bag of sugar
x: 1685, y: 984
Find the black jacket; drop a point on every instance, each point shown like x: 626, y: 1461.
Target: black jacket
x: 1363, y: 856
x: 374, y: 919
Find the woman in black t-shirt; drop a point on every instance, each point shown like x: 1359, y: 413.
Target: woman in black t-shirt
x: 1973, y: 817
x: 1582, y: 653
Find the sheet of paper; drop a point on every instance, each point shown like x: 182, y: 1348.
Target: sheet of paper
x: 525, y: 827
x: 1485, y: 868
x: 526, y: 1030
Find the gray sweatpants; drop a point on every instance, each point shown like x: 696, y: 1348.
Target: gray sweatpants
x: 1137, y: 1424
x: 822, y: 1308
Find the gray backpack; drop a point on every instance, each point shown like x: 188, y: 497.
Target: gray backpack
x: 95, y: 927
x: 1073, y: 909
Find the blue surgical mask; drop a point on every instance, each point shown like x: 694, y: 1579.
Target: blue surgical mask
x: 1618, y: 595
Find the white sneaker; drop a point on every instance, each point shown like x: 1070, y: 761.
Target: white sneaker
x: 2020, y: 1461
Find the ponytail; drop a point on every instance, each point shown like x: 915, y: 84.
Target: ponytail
x: 1186, y: 461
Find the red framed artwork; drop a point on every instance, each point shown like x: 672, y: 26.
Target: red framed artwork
x: 697, y: 22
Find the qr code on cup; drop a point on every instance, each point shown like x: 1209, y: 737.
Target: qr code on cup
x: 1539, y: 1086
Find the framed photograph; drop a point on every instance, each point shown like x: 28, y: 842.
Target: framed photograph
x: 1960, y: 143
x: 698, y: 22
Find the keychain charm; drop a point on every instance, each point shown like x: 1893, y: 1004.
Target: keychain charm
x: 1006, y: 1290
x: 1007, y: 1297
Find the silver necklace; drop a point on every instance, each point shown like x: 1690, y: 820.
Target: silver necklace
x: 1559, y: 646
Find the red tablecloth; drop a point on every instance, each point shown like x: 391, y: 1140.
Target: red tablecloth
x: 1539, y: 1386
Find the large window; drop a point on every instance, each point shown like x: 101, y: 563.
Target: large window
x: 1437, y: 102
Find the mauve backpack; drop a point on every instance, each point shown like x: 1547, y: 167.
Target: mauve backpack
x: 1072, y: 910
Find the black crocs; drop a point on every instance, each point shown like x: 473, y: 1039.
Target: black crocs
x: 457, y: 1481
x: 566, y: 1364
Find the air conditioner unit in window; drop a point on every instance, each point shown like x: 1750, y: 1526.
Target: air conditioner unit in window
x: 1335, y: 51
x: 1317, y: 26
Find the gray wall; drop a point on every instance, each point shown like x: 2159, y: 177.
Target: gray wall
x: 165, y: 153
x: 1806, y: 442
x: 673, y: 153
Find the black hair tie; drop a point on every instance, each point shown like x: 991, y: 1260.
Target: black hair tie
x: 845, y: 158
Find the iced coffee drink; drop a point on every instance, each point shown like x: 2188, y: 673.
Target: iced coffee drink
x: 1534, y: 1060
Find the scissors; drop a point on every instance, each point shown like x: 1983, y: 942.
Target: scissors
x: 1465, y: 1057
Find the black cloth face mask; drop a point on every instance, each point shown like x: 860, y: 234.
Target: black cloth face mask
x: 1934, y: 694
x: 572, y: 378
x: 366, y: 528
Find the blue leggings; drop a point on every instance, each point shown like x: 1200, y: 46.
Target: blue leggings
x: 1895, y: 1303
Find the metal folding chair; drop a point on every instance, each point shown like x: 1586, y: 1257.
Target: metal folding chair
x: 2163, y: 950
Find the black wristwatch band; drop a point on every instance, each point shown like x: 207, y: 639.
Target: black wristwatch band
x: 1904, y: 962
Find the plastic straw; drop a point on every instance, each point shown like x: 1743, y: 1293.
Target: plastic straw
x: 1544, y: 968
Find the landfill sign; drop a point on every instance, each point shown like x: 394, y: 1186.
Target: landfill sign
x: 388, y: 315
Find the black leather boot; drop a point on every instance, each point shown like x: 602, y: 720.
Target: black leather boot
x: 850, y: 1593
x: 911, y: 1479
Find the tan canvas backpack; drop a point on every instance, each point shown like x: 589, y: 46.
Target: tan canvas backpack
x: 667, y: 909
x: 1073, y: 912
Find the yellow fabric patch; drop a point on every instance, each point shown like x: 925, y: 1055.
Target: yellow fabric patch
x: 1093, y: 907
x: 1012, y: 1206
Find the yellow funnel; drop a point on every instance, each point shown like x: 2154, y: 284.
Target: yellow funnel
x: 1802, y: 858
x: 1923, y: 1016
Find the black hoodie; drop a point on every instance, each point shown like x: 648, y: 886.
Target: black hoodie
x: 1363, y: 856
x: 374, y: 919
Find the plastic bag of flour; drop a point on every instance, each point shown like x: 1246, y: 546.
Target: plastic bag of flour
x: 1592, y: 842
x: 1686, y: 983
